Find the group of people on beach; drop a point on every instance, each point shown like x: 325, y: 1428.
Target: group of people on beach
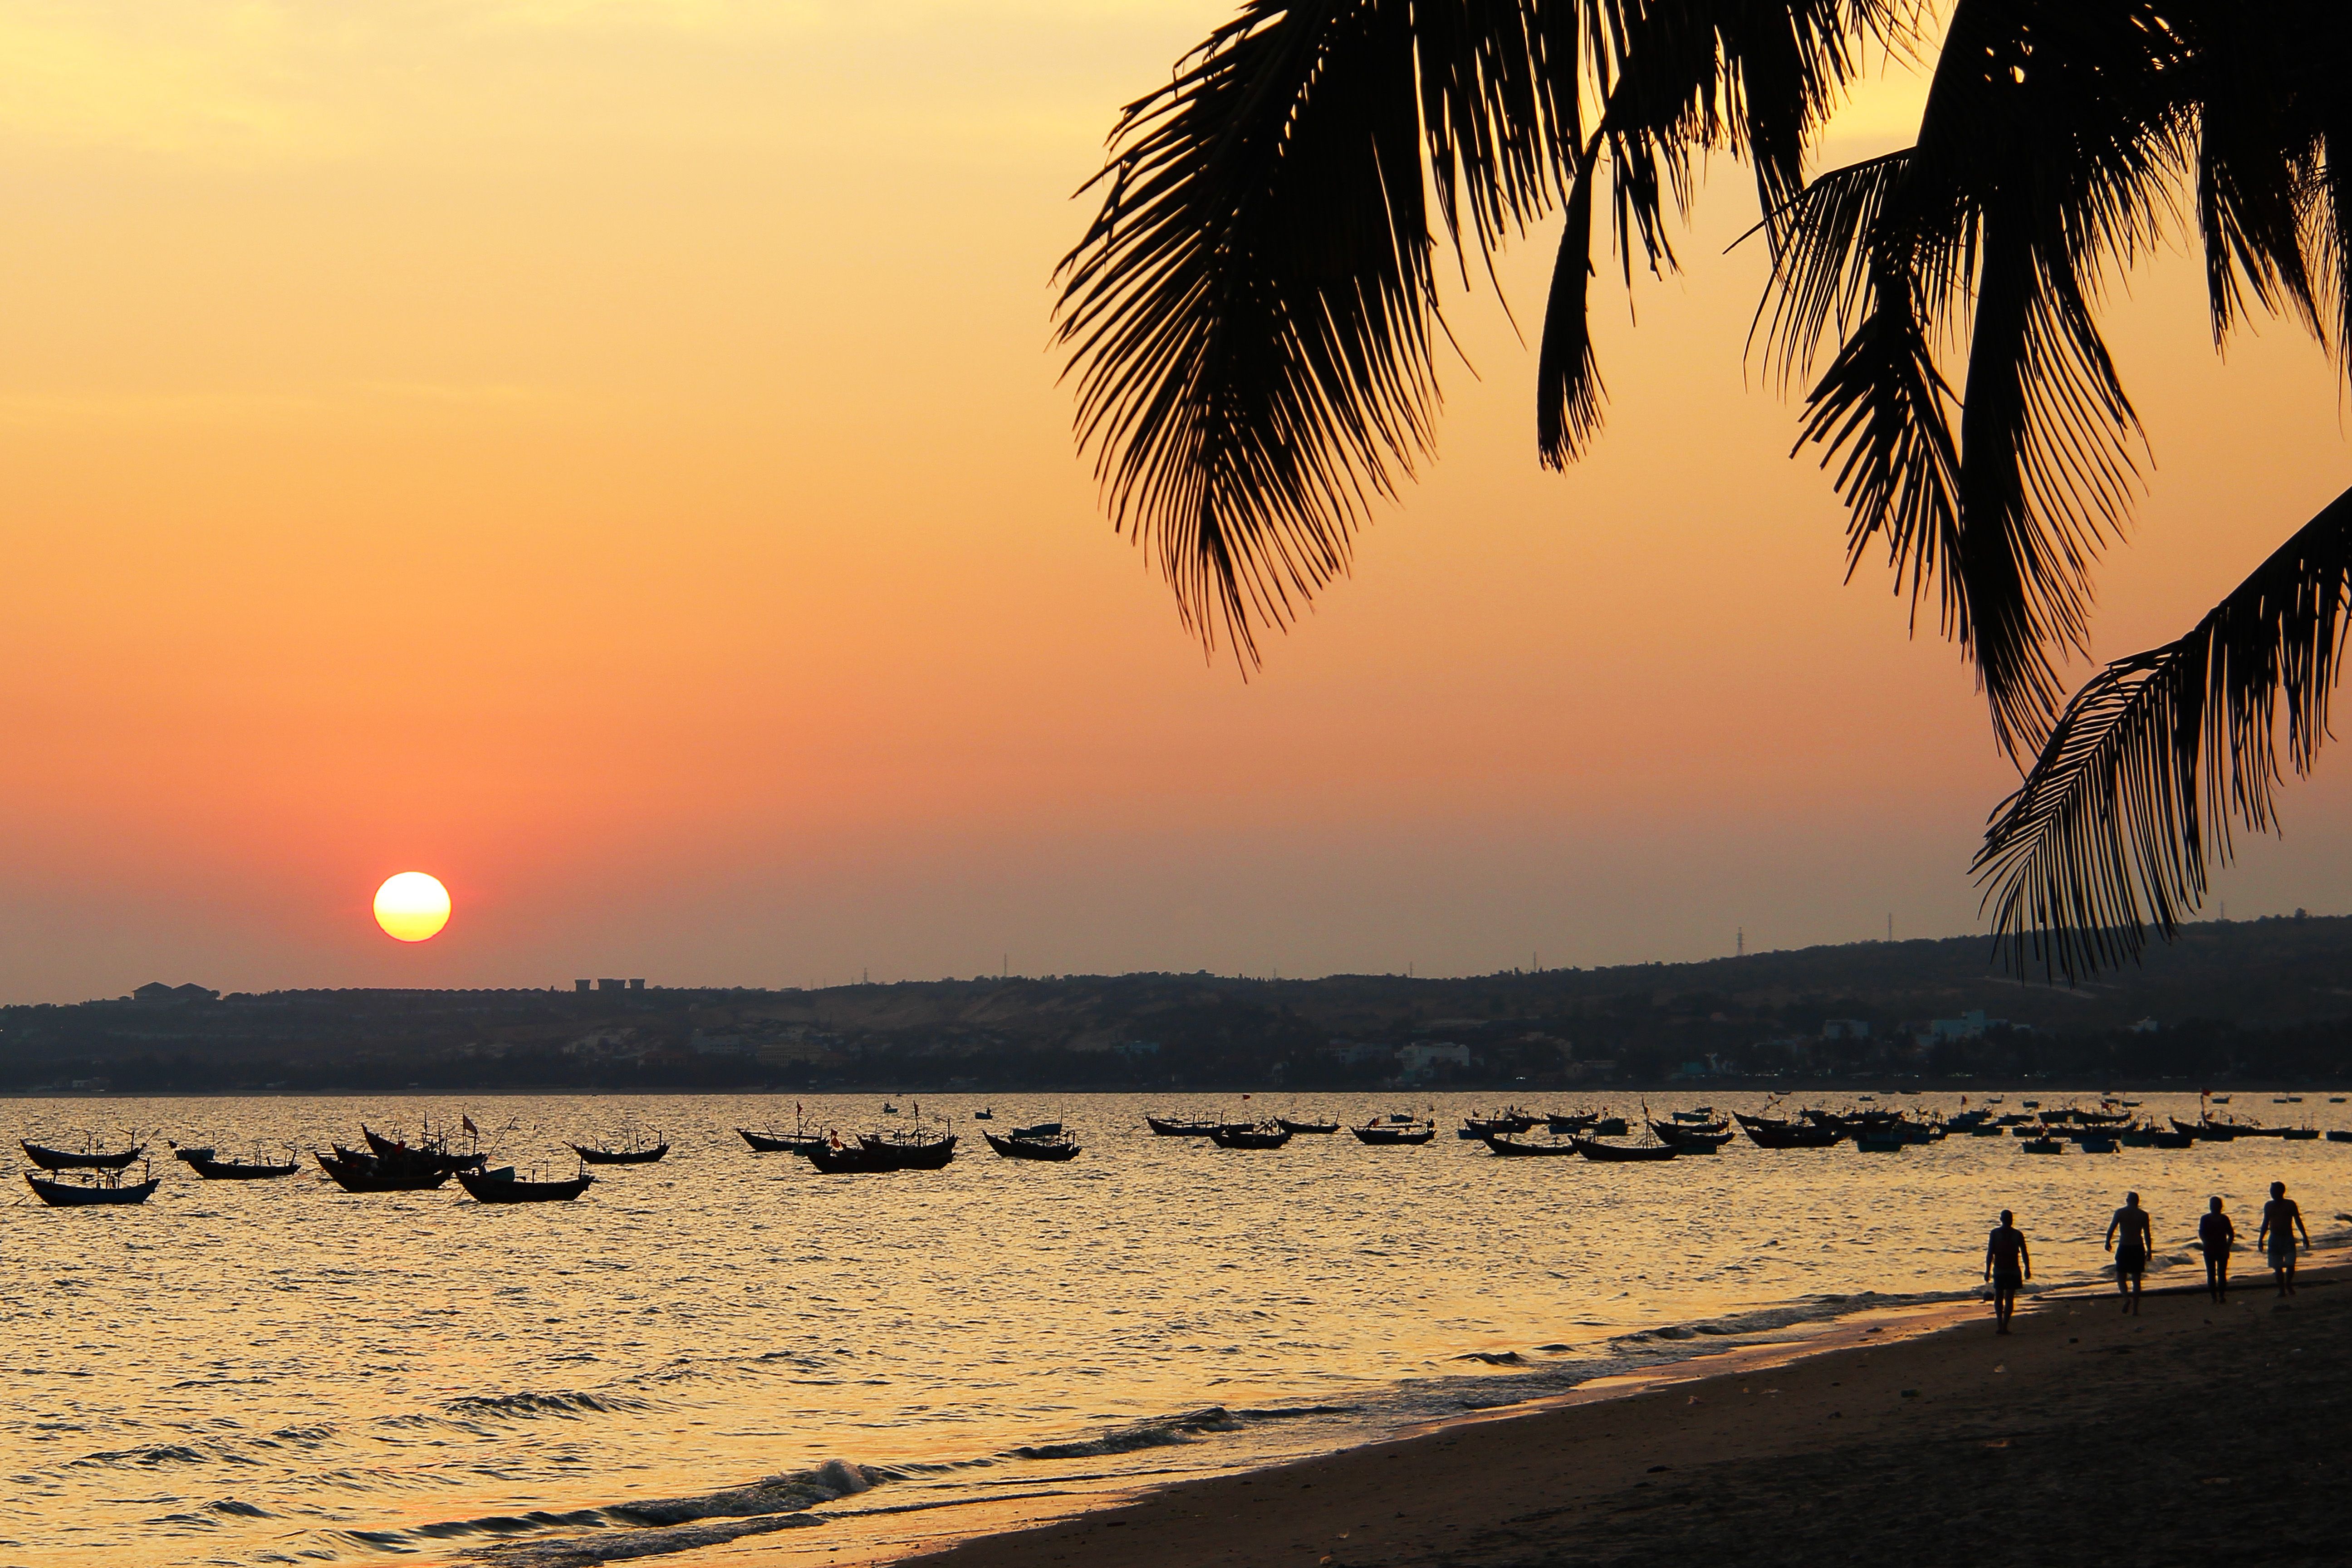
x: 2008, y: 1264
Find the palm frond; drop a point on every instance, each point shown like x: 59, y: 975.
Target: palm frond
x: 1251, y: 314
x: 1568, y: 378
x: 2129, y: 805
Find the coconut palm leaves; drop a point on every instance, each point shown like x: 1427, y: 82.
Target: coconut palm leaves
x: 2130, y: 803
x: 1253, y: 316
x: 1253, y: 325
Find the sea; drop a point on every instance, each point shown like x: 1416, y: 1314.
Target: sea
x: 727, y: 1356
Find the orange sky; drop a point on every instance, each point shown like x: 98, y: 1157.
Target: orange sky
x: 605, y: 453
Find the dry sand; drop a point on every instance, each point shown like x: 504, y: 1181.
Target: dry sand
x: 2191, y: 1433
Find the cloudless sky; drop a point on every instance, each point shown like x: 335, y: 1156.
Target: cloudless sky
x: 607, y: 454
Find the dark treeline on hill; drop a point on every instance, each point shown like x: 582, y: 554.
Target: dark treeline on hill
x: 2246, y: 1002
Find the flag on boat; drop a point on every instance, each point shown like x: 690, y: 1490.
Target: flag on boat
x: 468, y: 1123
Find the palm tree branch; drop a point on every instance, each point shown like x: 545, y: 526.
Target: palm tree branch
x: 2129, y: 805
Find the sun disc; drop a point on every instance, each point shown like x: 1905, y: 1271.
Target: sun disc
x: 412, y: 906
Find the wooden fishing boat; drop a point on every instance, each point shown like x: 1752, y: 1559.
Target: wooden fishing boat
x: 1617, y: 1153
x: 2043, y: 1146
x: 2170, y: 1140
x: 1767, y: 1133
x: 1691, y: 1140
x: 1019, y: 1148
x: 1249, y: 1135
x: 1311, y: 1128
x: 1039, y: 1130
x: 847, y: 1160
x: 2336, y: 1135
x: 1181, y: 1126
x: 212, y: 1170
x: 912, y: 1150
x: 357, y: 1173
x: 1504, y: 1144
x: 50, y: 1159
x: 1880, y: 1144
x: 1578, y: 1121
x: 780, y: 1143
x: 1392, y: 1133
x: 1703, y: 1113
x: 182, y: 1152
x: 638, y: 1156
x: 1510, y: 1119
x: 504, y: 1186
x: 2095, y: 1143
x: 2299, y: 1134
x: 96, y: 1190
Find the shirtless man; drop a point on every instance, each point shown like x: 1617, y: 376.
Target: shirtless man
x: 2217, y: 1233
x: 2131, y: 1257
x: 2281, y: 1220
x: 2008, y: 1265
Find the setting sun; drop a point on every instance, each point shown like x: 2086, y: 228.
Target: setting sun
x: 412, y: 906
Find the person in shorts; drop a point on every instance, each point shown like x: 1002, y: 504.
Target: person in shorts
x: 2281, y: 1219
x: 2008, y: 1265
x: 2127, y: 1238
x: 2217, y: 1234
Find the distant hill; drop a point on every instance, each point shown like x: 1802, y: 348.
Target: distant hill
x: 2249, y: 999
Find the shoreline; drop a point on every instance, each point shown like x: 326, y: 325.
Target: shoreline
x: 1912, y: 1392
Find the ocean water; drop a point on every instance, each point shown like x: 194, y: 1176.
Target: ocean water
x: 726, y: 1345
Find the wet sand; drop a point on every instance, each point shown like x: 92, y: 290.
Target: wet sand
x: 2189, y: 1433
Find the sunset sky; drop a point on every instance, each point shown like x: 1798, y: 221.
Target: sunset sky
x: 607, y: 454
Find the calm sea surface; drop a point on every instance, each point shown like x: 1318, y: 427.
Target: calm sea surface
x: 278, y: 1372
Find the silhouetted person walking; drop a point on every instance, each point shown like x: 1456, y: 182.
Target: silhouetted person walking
x: 2281, y: 1219
x: 2008, y: 1265
x: 2128, y: 1239
x: 2217, y: 1233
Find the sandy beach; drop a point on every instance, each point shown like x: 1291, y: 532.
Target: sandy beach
x: 2189, y: 1433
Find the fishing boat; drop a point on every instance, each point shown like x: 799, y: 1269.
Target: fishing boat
x: 1511, y: 1118
x: 2043, y: 1146
x: 1390, y: 1131
x: 1767, y: 1133
x: 1616, y: 1153
x: 2095, y: 1143
x: 778, y: 1142
x: 2162, y: 1140
x: 1039, y: 1130
x: 1576, y: 1122
x: 253, y: 1169
x: 88, y: 1158
x: 188, y: 1151
x: 911, y: 1149
x: 2299, y: 1134
x: 847, y: 1160
x: 503, y: 1186
x: 636, y: 1153
x: 1700, y: 1113
x: 430, y: 1149
x: 2338, y: 1135
x: 404, y: 1171
x: 1292, y: 1124
x: 1504, y: 1144
x: 983, y: 1114
x: 1880, y: 1143
x: 1988, y: 1129
x: 1693, y: 1139
x: 1181, y: 1126
x: 1055, y: 1147
x: 1249, y: 1135
x: 2206, y: 1132
x: 96, y: 1188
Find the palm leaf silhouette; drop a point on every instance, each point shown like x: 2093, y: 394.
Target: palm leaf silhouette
x: 2130, y: 803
